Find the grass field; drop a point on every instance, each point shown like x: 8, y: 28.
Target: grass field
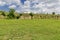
x: 42, y: 29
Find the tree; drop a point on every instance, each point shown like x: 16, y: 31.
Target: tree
x: 3, y: 13
x: 11, y: 13
x: 20, y: 14
x: 53, y: 13
x: 31, y: 15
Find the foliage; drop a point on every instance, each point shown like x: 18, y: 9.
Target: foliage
x: 11, y: 14
x: 53, y: 13
x: 31, y: 14
x: 3, y: 13
x: 20, y: 14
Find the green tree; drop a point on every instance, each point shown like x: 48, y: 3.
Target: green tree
x: 3, y: 13
x: 11, y: 13
x: 20, y: 14
x: 53, y: 13
x: 31, y: 14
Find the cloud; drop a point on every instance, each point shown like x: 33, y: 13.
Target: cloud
x: 39, y: 6
x: 2, y: 3
x: 12, y: 6
x: 46, y: 5
x: 26, y: 6
x: 12, y: 1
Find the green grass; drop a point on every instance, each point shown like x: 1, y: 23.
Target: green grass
x: 36, y: 29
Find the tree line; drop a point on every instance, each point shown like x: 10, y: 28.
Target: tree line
x: 12, y: 15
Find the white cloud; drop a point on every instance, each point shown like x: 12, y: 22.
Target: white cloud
x: 50, y: 4
x: 26, y: 6
x: 2, y: 3
x: 12, y: 1
x: 18, y: 2
x: 12, y: 6
x: 17, y: 11
x: 33, y: 5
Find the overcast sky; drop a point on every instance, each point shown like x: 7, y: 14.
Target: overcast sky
x: 38, y: 6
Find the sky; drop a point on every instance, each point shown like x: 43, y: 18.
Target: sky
x: 36, y: 6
